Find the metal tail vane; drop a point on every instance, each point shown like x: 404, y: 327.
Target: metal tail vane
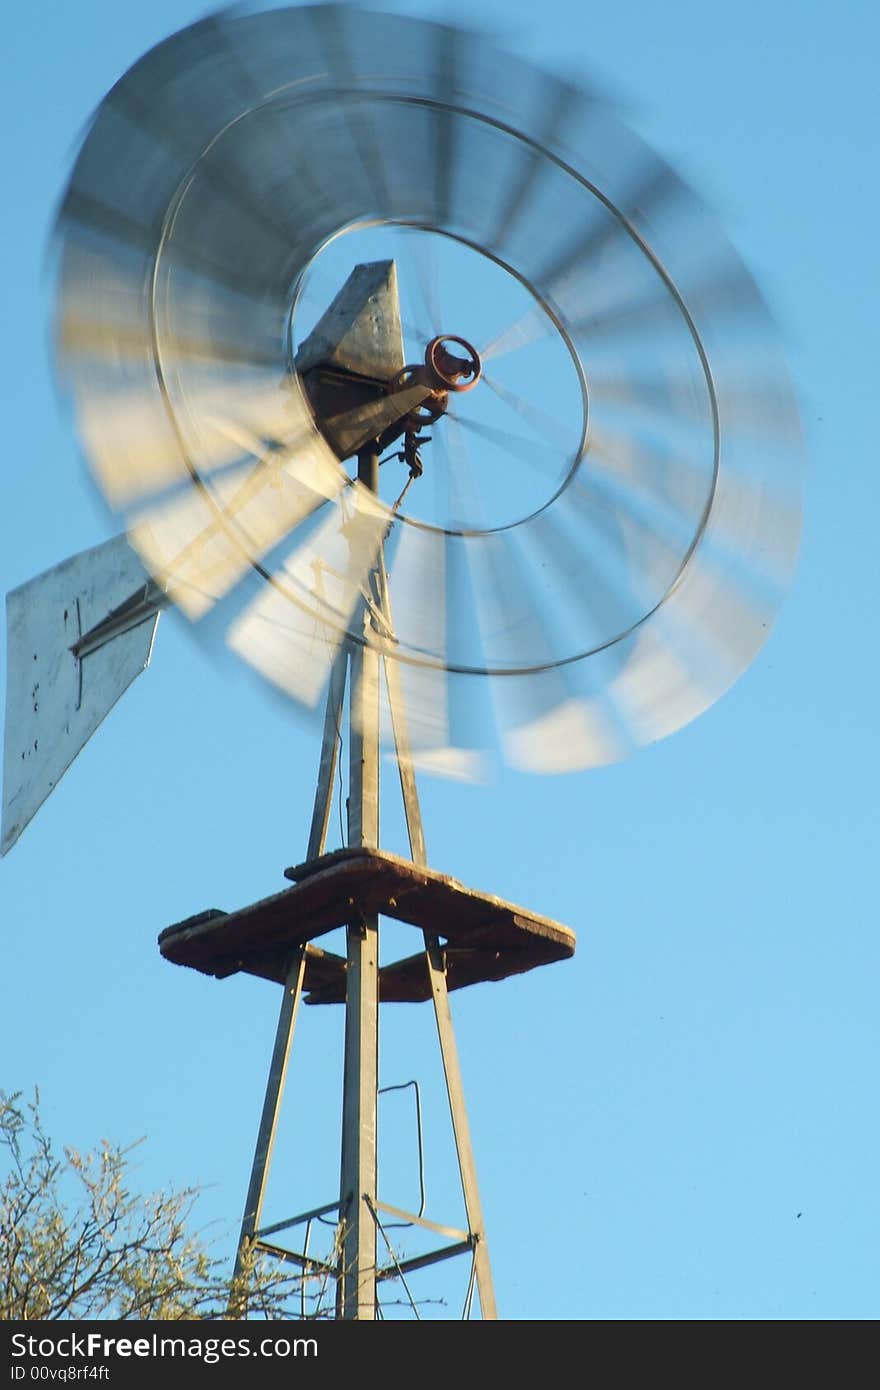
x: 77, y: 637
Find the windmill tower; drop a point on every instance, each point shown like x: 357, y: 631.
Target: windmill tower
x: 602, y: 602
x: 350, y: 365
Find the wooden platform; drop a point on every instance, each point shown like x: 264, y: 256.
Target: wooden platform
x: 485, y: 938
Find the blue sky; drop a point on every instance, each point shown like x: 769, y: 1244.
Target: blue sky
x: 681, y: 1122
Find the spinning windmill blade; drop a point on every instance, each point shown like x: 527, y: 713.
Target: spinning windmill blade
x: 615, y: 568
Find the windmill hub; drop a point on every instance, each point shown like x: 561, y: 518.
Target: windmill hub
x: 453, y: 373
x: 442, y: 372
x: 362, y: 393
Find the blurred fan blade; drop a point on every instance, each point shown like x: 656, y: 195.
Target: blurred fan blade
x: 156, y: 132
x: 451, y: 719
x: 547, y: 460
x: 331, y: 22
x: 620, y: 597
x: 546, y: 722
x: 699, y: 641
x: 754, y: 521
x: 555, y: 117
x: 529, y: 328
x: 754, y: 400
x: 82, y: 212
x: 424, y: 263
x: 292, y: 631
x: 86, y: 335
x: 758, y: 525
x: 649, y: 392
x: 727, y: 290
x: 711, y: 607
x: 670, y: 486
x: 138, y: 446
x: 642, y: 561
x: 727, y: 621
x: 655, y: 690
x: 233, y: 71
x: 105, y: 314
x: 593, y: 608
x: 543, y: 424
x: 199, y: 544
x: 465, y: 495
x: 654, y: 187
x: 228, y: 181
x: 552, y: 730
x: 448, y: 59
x: 417, y: 588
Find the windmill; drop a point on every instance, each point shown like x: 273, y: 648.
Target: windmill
x: 292, y: 485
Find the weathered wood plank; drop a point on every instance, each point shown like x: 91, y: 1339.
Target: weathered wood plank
x: 485, y: 937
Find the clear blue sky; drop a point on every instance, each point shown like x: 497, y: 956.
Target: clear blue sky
x: 681, y: 1122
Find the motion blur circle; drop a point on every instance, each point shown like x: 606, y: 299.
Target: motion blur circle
x: 604, y: 568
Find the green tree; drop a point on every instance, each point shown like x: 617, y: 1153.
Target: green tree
x: 77, y: 1242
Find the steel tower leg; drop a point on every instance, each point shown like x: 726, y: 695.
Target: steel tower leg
x: 292, y: 990
x: 357, y: 1284
x: 439, y: 994
x: 268, y: 1121
x: 357, y: 1190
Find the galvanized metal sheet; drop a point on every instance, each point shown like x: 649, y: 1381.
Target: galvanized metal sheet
x: 55, y: 701
x: 361, y: 330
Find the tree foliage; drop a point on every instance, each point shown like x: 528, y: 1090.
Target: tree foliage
x: 76, y: 1242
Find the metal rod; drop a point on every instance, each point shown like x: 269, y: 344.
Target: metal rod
x: 439, y: 993
x: 469, y: 1296
x: 357, y: 1291
x: 269, y: 1119
x: 392, y: 1253
x: 408, y: 788
x: 422, y: 1261
x: 329, y: 753
x: 139, y: 608
x: 409, y: 1218
x: 304, y: 1216
x: 293, y: 1257
x: 404, y: 1086
x: 461, y: 1128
